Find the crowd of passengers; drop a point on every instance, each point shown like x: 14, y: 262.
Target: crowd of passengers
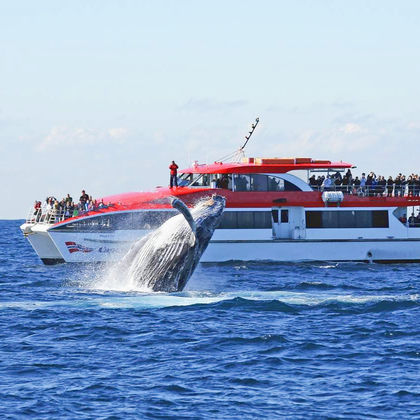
x: 370, y: 185
x: 413, y: 221
x: 54, y: 209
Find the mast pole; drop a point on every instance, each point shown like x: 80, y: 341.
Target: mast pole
x: 253, y: 126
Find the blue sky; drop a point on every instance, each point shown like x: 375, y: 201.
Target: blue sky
x: 103, y: 95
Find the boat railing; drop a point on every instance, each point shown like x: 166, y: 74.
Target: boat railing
x: 46, y: 215
x: 370, y: 191
x: 49, y: 216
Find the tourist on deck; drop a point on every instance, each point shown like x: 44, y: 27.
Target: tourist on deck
x: 337, y: 183
x: 363, y: 184
x: 389, y: 186
x: 48, y: 209
x: 412, y: 220
x: 174, y: 172
x: 312, y: 182
x: 37, y: 210
x: 381, y: 185
x: 417, y: 220
x: 84, y: 197
x: 397, y: 183
x: 320, y: 181
x: 416, y: 189
x: 224, y: 182
x: 349, y: 177
x: 328, y: 184
x: 369, y: 188
x: 345, y: 187
x: 356, y: 186
x: 410, y: 186
x: 68, y: 211
x: 403, y: 186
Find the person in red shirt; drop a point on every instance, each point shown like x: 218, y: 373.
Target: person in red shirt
x: 173, y: 180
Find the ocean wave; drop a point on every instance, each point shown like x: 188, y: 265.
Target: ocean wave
x: 277, y: 301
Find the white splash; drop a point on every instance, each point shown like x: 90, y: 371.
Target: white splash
x: 120, y: 276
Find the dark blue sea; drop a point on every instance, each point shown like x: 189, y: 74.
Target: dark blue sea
x: 244, y: 341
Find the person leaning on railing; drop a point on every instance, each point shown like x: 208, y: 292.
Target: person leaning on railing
x: 389, y: 186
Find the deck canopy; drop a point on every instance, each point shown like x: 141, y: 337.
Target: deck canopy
x: 264, y: 165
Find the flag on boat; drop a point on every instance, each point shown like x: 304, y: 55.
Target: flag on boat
x: 73, y: 247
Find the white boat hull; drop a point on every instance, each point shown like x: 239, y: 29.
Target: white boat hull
x: 92, y: 247
x: 383, y: 250
x: 42, y: 243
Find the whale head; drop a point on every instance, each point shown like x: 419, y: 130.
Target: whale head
x: 207, y: 215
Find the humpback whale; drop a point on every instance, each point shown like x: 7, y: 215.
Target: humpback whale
x: 164, y: 260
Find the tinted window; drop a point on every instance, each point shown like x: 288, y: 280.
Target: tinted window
x: 262, y: 220
x: 347, y: 219
x: 121, y: 221
x: 288, y: 186
x: 284, y: 216
x: 313, y: 219
x: 380, y: 219
x: 275, y: 183
x: 246, y: 220
x: 260, y: 182
x: 229, y: 220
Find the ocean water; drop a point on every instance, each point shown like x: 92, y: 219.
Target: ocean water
x: 245, y: 340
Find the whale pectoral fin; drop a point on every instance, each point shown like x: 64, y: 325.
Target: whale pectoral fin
x: 183, y: 209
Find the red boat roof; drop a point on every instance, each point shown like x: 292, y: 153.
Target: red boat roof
x: 160, y: 199
x: 265, y: 165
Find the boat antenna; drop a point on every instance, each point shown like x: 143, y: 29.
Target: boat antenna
x: 253, y: 127
x: 238, y: 154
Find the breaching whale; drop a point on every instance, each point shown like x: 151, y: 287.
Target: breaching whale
x: 165, y: 259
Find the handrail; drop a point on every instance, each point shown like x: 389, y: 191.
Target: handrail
x: 45, y: 215
x: 371, y: 191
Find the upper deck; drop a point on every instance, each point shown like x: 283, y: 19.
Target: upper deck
x: 265, y: 165
x: 252, y: 183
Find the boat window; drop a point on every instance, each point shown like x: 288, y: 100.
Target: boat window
x: 246, y: 220
x: 194, y: 180
x: 275, y: 183
x: 262, y: 220
x: 284, y: 216
x: 242, y: 182
x: 221, y: 181
x: 380, y: 219
x: 275, y: 215
x: 120, y: 221
x: 261, y: 182
x: 347, y: 219
x: 199, y: 180
x: 184, y: 180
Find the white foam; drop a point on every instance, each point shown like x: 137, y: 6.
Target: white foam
x: 163, y: 300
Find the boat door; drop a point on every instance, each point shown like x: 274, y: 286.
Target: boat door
x: 288, y: 222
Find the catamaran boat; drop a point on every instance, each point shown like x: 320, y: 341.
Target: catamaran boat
x: 271, y: 214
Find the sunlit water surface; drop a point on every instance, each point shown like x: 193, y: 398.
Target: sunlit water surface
x: 244, y: 340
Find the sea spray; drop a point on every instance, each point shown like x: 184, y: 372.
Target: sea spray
x: 165, y: 259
